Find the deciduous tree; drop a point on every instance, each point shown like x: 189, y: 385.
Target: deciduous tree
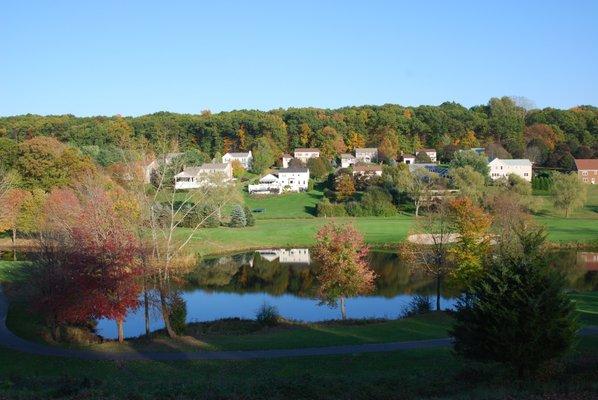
x: 568, y: 192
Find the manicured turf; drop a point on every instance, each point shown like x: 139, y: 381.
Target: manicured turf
x: 294, y: 232
x: 413, y: 374
x: 290, y: 205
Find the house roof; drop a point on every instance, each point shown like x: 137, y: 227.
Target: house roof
x: 293, y: 169
x: 408, y: 156
x: 347, y: 156
x: 307, y: 150
x: 426, y: 150
x: 286, y: 155
x: 366, y: 150
x: 245, y: 154
x: 586, y: 163
x: 367, y: 168
x: 524, y: 162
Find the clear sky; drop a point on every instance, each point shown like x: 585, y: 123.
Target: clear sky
x: 138, y: 57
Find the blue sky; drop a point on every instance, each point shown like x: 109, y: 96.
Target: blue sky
x: 131, y: 58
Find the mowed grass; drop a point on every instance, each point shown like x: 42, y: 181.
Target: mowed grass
x: 288, y: 205
x: 293, y: 232
x: 412, y: 374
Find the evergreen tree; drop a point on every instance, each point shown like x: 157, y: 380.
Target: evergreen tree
x: 237, y: 217
x: 250, y: 219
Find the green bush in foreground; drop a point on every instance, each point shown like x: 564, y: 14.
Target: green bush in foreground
x: 517, y: 314
x: 267, y: 315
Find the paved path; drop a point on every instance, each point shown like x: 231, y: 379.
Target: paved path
x: 10, y: 340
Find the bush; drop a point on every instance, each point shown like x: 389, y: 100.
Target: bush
x: 327, y: 209
x: 249, y: 218
x: 377, y: 202
x: 267, y: 315
x: 207, y: 216
x: 319, y: 167
x: 237, y: 217
x: 418, y: 305
x: 517, y: 314
x: 178, y: 314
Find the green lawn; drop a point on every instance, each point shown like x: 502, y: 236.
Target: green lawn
x: 413, y: 374
x: 288, y: 205
x: 294, y: 232
x: 587, y: 307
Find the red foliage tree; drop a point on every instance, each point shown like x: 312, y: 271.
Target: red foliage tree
x: 344, y: 270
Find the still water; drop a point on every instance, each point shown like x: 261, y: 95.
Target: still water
x: 237, y: 285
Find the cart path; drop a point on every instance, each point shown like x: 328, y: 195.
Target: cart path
x: 12, y: 341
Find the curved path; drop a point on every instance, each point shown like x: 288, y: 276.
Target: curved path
x: 12, y: 341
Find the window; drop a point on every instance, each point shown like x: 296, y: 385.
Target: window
x: 585, y: 173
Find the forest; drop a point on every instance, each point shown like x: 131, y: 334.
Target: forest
x: 549, y: 137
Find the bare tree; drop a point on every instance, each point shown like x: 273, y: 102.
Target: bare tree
x: 162, y: 210
x: 428, y: 246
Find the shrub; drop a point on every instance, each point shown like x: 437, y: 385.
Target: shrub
x: 237, y: 217
x: 207, y: 216
x: 267, y: 315
x: 178, y: 314
x: 418, y: 305
x: 319, y: 167
x: 327, y: 209
x: 377, y: 202
x: 517, y: 314
x: 249, y: 218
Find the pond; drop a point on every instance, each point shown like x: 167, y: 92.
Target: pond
x: 237, y: 285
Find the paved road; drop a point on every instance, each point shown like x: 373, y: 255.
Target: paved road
x: 10, y: 340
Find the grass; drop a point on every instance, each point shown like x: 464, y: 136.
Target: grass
x: 587, y: 307
x: 413, y: 374
x: 294, y: 233
x: 289, y: 205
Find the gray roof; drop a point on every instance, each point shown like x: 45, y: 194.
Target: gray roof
x: 293, y: 169
x: 222, y: 166
x: 307, y: 150
x: 245, y: 154
x: 366, y: 150
x: 347, y: 156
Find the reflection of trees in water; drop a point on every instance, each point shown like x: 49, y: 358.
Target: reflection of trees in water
x: 249, y: 272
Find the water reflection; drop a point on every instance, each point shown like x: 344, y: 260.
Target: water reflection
x: 236, y: 285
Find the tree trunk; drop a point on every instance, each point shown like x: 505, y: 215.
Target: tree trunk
x: 343, y: 308
x: 438, y: 293
x: 146, y: 312
x: 166, y: 315
x: 14, y: 237
x: 417, y: 209
x: 121, y: 330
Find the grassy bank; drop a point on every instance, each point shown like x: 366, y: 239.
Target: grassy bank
x: 413, y: 374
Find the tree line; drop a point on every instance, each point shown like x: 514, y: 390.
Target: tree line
x: 549, y: 137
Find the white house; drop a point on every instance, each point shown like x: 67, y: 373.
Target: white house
x: 347, y: 160
x: 244, y: 158
x: 207, y: 174
x: 430, y: 152
x: 291, y: 179
x: 286, y: 159
x: 408, y: 159
x: 305, y: 154
x: 366, y: 155
x: 367, y: 170
x: 165, y: 159
x: 502, y: 168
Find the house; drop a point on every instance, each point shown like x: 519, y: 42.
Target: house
x: 366, y: 155
x: 435, y: 168
x: 291, y: 179
x: 409, y: 159
x: 305, y: 154
x: 286, y: 159
x: 286, y: 256
x: 152, y: 166
x: 347, y: 160
x: 244, y: 158
x: 430, y: 152
x: 587, y: 169
x: 207, y: 174
x: 367, y: 170
x: 502, y: 168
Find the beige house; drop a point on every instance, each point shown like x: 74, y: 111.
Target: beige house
x: 367, y: 170
x: 502, y: 168
x: 304, y: 154
x: 587, y: 170
x: 207, y: 174
x: 366, y: 155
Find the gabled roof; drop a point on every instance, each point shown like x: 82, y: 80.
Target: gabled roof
x: 293, y: 169
x: 206, y: 166
x: 425, y: 150
x: 366, y: 150
x: 286, y: 155
x: 307, y: 150
x: 347, y: 156
x: 521, y: 162
x: 586, y: 163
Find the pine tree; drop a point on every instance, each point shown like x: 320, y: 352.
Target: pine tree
x: 250, y: 219
x: 237, y: 217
